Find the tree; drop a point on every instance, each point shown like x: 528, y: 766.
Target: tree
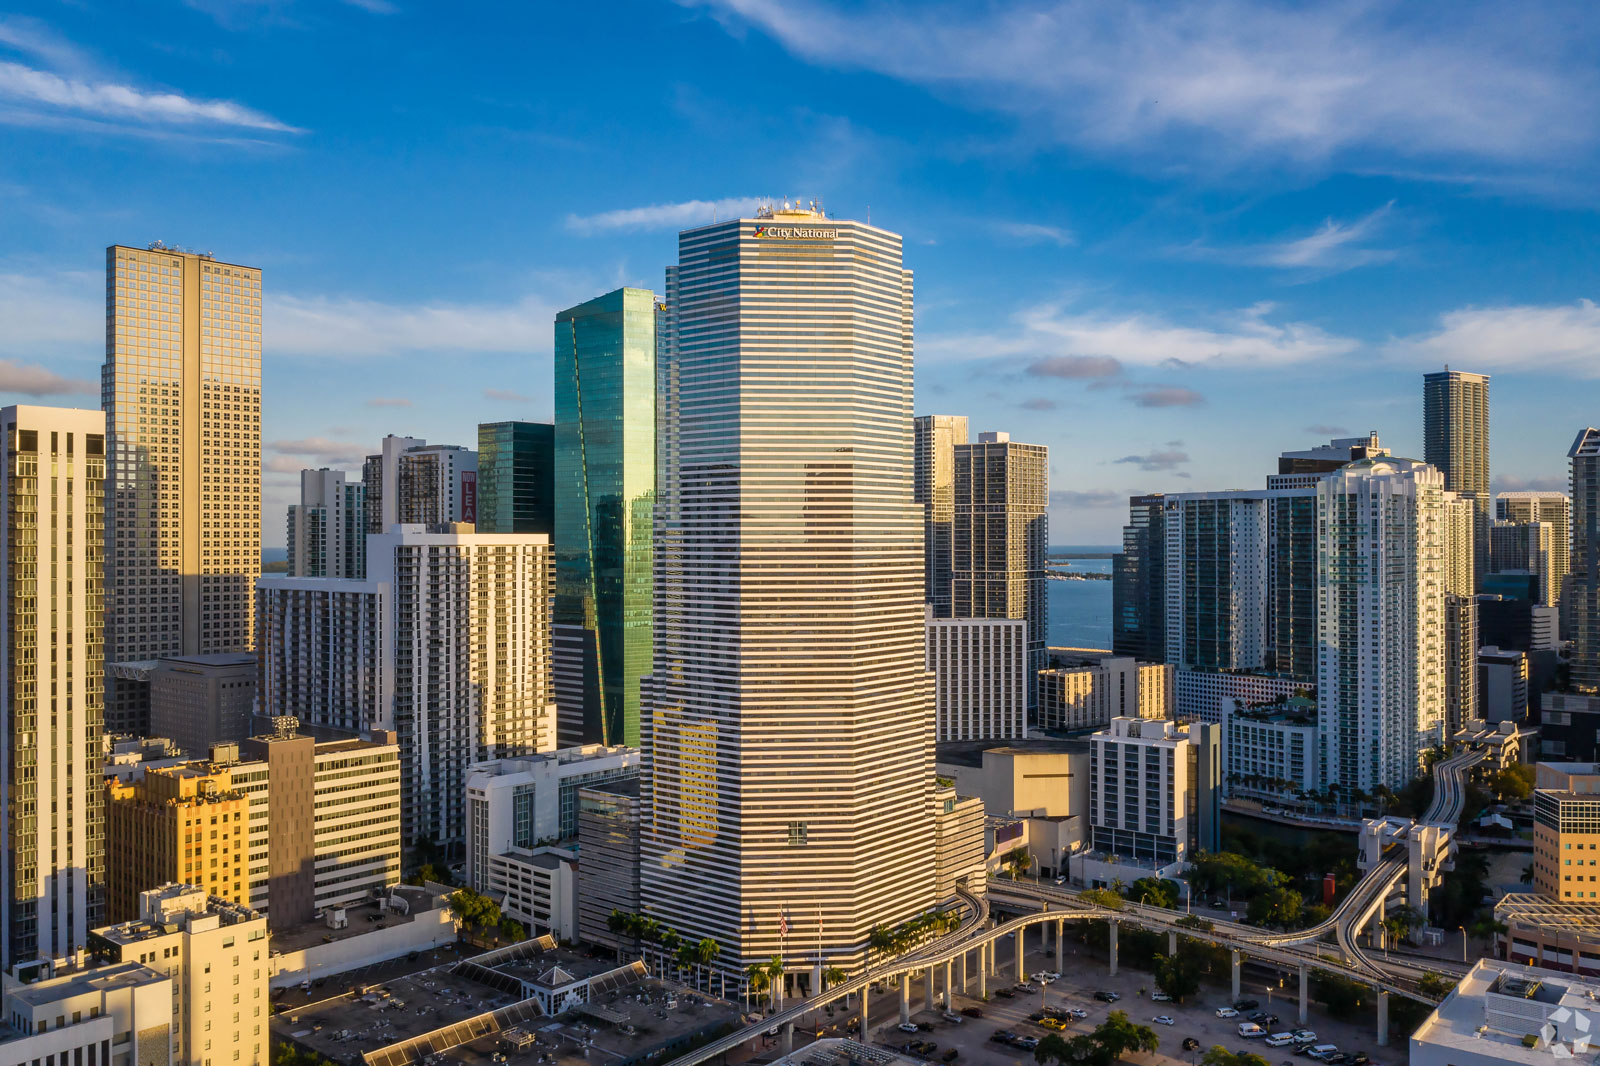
x: 513, y: 930
x: 833, y: 976
x: 1018, y: 861
x: 1277, y: 906
x: 1111, y: 1039
x: 1102, y: 897
x: 1513, y: 783
x: 1434, y: 984
x: 1155, y: 890
x: 1179, y: 975
x: 757, y: 980
x: 1397, y: 925
x: 475, y: 910
x: 1221, y: 1056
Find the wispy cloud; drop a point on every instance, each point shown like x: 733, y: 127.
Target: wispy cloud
x: 1322, y: 430
x: 1228, y: 78
x: 1560, y: 339
x: 348, y: 327
x: 1087, y: 498
x: 1333, y: 246
x: 1036, y: 233
x: 1037, y: 403
x: 1167, y: 460
x: 1166, y: 396
x: 662, y: 216
x: 506, y: 396
x: 389, y: 401
x: 321, y: 451
x: 1075, y: 367
x: 31, y: 380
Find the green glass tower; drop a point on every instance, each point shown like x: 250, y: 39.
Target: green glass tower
x: 516, y: 477
x: 605, y: 437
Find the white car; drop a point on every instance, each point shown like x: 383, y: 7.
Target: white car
x: 953, y: 1018
x: 1160, y: 997
x: 1077, y: 1012
x: 1280, y: 1039
x: 1251, y: 1031
x: 1304, y: 1036
x: 1227, y: 1012
x: 908, y: 1027
x: 1163, y: 1019
x: 1053, y: 975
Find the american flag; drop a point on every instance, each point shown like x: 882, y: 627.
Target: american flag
x: 783, y: 924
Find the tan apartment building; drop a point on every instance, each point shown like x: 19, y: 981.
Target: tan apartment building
x: 176, y: 823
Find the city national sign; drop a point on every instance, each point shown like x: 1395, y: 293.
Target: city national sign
x: 795, y: 233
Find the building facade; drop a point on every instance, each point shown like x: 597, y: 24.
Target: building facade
x: 1216, y: 575
x: 412, y: 482
x: 980, y: 683
x: 1138, y: 801
x: 608, y: 840
x: 1139, y: 583
x: 200, y: 700
x: 1270, y: 749
x: 52, y: 678
x: 1462, y: 640
x: 1084, y: 689
x: 789, y: 711
x: 181, y: 823
x: 933, y: 461
x: 1001, y: 538
x: 605, y: 471
x: 181, y: 391
x: 1581, y: 596
x: 328, y: 527
x: 516, y: 477
x: 1554, y: 508
x: 1455, y: 440
x: 80, y: 1015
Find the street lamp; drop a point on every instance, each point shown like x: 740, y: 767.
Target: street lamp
x: 1463, y: 942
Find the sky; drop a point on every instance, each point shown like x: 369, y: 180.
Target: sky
x: 1169, y: 240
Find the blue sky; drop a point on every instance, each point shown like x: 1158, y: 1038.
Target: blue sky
x: 1167, y: 239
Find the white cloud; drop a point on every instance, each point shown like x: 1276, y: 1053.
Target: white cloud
x: 1228, y: 78
x: 506, y: 396
x: 31, y: 380
x: 1036, y: 233
x: 52, y: 310
x: 389, y: 401
x: 1333, y: 246
x: 662, y: 216
x: 320, y: 451
x: 1241, y: 338
x: 1558, y: 339
x: 345, y: 327
x: 109, y: 100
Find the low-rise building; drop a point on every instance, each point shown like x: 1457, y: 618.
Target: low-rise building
x: 1084, y: 688
x: 1200, y: 693
x: 180, y: 823
x: 1270, y: 748
x: 1502, y: 1013
x: 979, y: 667
x: 1566, y: 831
x: 960, y: 852
x: 201, y: 700
x: 537, y: 887
x: 114, y: 1015
x: 1034, y: 792
x: 608, y: 841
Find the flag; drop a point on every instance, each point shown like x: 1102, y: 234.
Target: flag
x: 783, y: 924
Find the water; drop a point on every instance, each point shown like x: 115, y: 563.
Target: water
x: 1080, y: 611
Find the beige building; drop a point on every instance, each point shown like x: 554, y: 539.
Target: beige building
x: 1084, y: 688
x: 1554, y: 508
x: 979, y: 668
x: 113, y: 1015
x: 181, y: 823
x: 52, y: 497
x: 1043, y: 784
x: 215, y: 953
x: 960, y: 853
x: 934, y: 440
x: 181, y: 389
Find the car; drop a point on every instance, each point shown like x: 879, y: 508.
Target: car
x: 1053, y: 975
x: 1077, y: 1012
x: 1046, y: 979
x: 1024, y: 987
x: 1061, y: 880
x: 953, y: 1018
x: 1258, y: 1016
x: 1002, y: 1036
x: 950, y: 1056
x: 1160, y: 997
x: 1360, y: 1058
x: 1005, y: 993
x: 1322, y: 1052
x: 1227, y: 1012
x: 1251, y: 1031
x: 926, y: 1047
x: 1164, y: 1019
x: 1280, y: 1039
x: 1107, y: 997
x: 1038, y: 1016
x: 972, y: 1012
x: 1026, y: 1043
x: 1191, y: 1044
x: 1304, y: 1036
x: 1055, y: 1024
x: 1246, y: 1004
x: 909, y: 1027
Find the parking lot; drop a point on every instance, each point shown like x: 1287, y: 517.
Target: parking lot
x: 1082, y: 978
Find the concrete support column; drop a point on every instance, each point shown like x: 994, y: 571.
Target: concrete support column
x: 1113, y: 928
x: 1235, y: 976
x: 1060, y: 928
x: 1305, y: 993
x: 905, y: 997
x: 866, y: 996
x: 1172, y: 943
x: 1022, y: 973
x: 1377, y: 924
x: 927, y: 988
x: 964, y: 972
x: 983, y: 975
x: 1383, y: 1018
x: 788, y: 1038
x: 949, y: 989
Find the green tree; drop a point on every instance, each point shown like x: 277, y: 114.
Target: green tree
x: 1018, y: 861
x: 1397, y: 925
x: 1513, y: 783
x: 1179, y: 975
x: 513, y: 930
x: 1102, y: 897
x: 1111, y: 1039
x: 1434, y: 984
x: 833, y: 976
x: 1221, y: 1056
x: 1155, y: 891
x: 474, y: 909
x: 757, y: 980
x: 1276, y: 907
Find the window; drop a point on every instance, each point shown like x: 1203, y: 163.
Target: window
x: 797, y: 834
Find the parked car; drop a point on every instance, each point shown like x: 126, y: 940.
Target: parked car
x: 1164, y: 1019
x: 1323, y: 1052
x: 1280, y: 1039
x: 1026, y: 1043
x: 1227, y: 1012
x: 1304, y: 1036
x: 953, y: 1018
x: 972, y: 1012
x: 1055, y: 1024
x: 1246, y: 1004
x: 1160, y: 997
x: 1251, y: 1031
x: 1191, y: 1044
x: 909, y: 1027
x: 1005, y: 993
x: 1024, y: 987
x: 1077, y: 1012
x: 1001, y: 1036
x: 1107, y: 997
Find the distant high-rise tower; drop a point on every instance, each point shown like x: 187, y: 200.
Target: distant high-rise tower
x: 1216, y: 567
x: 327, y: 528
x: 52, y: 673
x: 933, y: 463
x: 516, y: 477
x: 605, y: 463
x: 1554, y: 508
x: 1582, y: 589
x: 1455, y: 438
x: 789, y: 716
x: 181, y: 389
x: 1139, y: 583
x: 1001, y: 538
x: 412, y: 482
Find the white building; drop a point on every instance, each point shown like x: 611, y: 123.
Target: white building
x: 1488, y: 1018
x: 215, y: 954
x: 52, y: 678
x: 1203, y: 694
x: 1139, y: 782
x: 412, y: 482
x: 537, y: 887
x: 530, y: 802
x: 114, y: 1015
x: 1381, y: 598
x: 328, y: 527
x: 1271, y: 748
x: 1216, y: 574
x: 1085, y: 689
x: 980, y: 684
x: 447, y: 642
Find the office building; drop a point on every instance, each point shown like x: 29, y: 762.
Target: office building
x: 1033, y: 793
x: 979, y: 667
x: 77, y: 1015
x: 215, y: 954
x: 1216, y: 575
x: 1569, y: 727
x: 1381, y: 594
x: 1001, y: 538
x: 605, y: 463
x: 608, y: 840
x: 1462, y: 639
x: 181, y: 823
x: 1581, y: 592
x: 959, y: 855
x: 52, y: 675
x: 1503, y: 1014
x: 328, y: 527
x: 200, y: 700
x: 1566, y: 806
x: 181, y: 391
x: 1554, y: 508
x: 1201, y: 694
x: 1455, y: 440
x: 1270, y: 749
x: 412, y: 482
x: 1139, y: 583
x: 1082, y: 689
x: 933, y: 459
x: 1503, y: 685
x: 447, y: 643
x: 516, y: 477
x: 1525, y: 548
x: 790, y: 712
x: 527, y: 803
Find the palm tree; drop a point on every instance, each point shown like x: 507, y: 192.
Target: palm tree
x: 880, y: 939
x: 832, y: 976
x: 757, y: 981
x: 775, y: 971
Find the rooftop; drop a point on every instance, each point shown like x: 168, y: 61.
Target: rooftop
x: 362, y: 917
x: 94, y: 979
x: 214, y: 660
x: 1498, y: 1004
x: 970, y: 752
x: 1294, y: 710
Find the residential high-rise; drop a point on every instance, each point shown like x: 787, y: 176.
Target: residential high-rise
x: 516, y: 477
x: 1581, y: 591
x: 1216, y: 576
x: 1381, y: 598
x: 789, y: 716
x: 933, y: 471
x: 605, y: 463
x: 1554, y: 508
x: 52, y: 676
x: 181, y: 389
x: 1001, y: 538
x: 1455, y: 438
x: 1139, y: 583
x: 328, y: 527
x: 1526, y: 548
x: 412, y: 482
x: 447, y: 642
x: 980, y: 686
x: 1461, y: 643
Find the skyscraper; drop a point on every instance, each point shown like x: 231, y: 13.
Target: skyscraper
x: 412, y: 482
x: 1216, y: 569
x: 789, y: 716
x: 181, y: 389
x: 516, y: 477
x: 52, y: 673
x: 933, y: 463
x: 1139, y: 583
x: 1455, y: 438
x: 1582, y: 589
x: 1554, y: 508
x: 328, y: 527
x: 1001, y: 538
x: 1381, y: 595
x: 605, y: 463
